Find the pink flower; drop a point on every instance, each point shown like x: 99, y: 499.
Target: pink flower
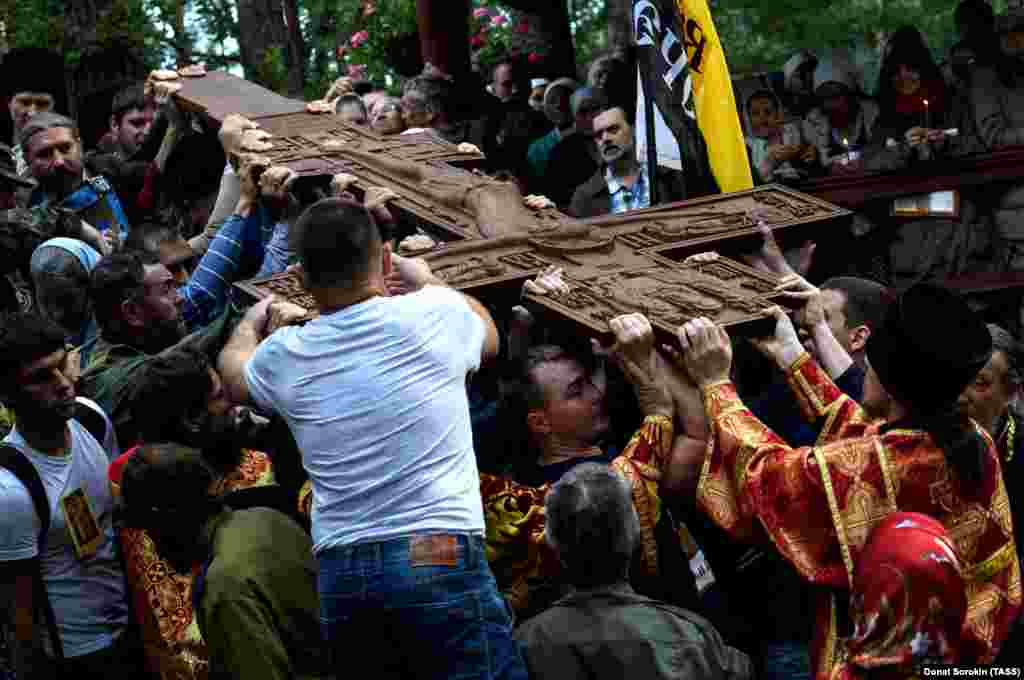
x: 357, y: 71
x: 359, y: 39
x: 535, y: 58
x: 499, y: 20
x: 522, y: 27
x: 481, y: 12
x: 478, y: 40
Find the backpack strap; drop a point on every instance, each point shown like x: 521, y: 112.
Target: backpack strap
x: 91, y: 420
x: 21, y: 467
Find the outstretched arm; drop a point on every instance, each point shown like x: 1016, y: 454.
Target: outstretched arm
x: 750, y: 479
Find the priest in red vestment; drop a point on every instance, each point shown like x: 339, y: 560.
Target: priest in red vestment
x: 907, y: 449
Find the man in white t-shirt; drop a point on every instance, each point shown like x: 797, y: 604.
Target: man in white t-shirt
x: 374, y: 391
x: 83, y: 578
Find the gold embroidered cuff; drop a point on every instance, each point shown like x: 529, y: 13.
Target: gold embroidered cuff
x: 718, y: 397
x: 711, y: 386
x: 663, y: 421
x: 798, y: 364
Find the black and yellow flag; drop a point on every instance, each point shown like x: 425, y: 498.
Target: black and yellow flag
x: 682, y: 67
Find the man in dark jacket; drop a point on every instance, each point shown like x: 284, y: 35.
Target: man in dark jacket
x: 604, y: 629
x: 622, y: 184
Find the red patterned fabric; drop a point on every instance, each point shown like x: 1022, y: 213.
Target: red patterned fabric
x: 514, y: 514
x: 172, y: 642
x: 819, y: 504
x: 908, y: 602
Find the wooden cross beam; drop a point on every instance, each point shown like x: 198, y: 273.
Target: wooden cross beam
x: 617, y: 264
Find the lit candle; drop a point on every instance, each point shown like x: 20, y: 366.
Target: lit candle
x: 846, y: 144
x: 927, y: 116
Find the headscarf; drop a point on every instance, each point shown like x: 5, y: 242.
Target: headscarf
x: 908, y: 602
x: 82, y: 251
x: 88, y: 257
x: 559, y: 118
x: 907, y: 47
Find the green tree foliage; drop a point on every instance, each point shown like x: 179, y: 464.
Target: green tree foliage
x: 758, y: 35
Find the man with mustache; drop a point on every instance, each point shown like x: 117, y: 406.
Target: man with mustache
x: 108, y: 191
x: 53, y: 151
x: 623, y: 185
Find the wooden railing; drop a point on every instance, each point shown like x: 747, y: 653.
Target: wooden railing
x: 854, y: 191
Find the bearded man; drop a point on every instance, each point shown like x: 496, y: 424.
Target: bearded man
x: 622, y: 183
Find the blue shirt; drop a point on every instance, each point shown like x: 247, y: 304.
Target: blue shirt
x: 206, y: 293
x: 625, y: 199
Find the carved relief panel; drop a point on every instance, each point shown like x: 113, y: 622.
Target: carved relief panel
x: 668, y: 294
x: 286, y: 286
x: 730, y: 221
x: 482, y: 264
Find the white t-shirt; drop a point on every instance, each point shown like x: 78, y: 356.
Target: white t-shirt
x: 88, y: 596
x: 375, y: 396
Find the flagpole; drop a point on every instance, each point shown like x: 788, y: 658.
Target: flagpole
x: 652, y: 147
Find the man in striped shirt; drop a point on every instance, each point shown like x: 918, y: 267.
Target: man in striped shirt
x: 141, y: 311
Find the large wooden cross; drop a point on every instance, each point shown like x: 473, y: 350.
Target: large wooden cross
x: 490, y: 242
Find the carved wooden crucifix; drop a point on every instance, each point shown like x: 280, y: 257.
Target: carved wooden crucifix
x: 616, y: 264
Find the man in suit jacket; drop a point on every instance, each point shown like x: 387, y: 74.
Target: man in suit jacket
x: 622, y: 184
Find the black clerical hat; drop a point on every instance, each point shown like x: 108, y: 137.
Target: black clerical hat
x: 34, y: 69
x: 929, y: 348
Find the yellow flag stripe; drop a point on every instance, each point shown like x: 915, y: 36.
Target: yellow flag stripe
x: 714, y: 100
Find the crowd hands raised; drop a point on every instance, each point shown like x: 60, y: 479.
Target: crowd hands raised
x: 451, y: 489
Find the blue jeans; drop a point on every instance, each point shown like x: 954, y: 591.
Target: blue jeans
x: 421, y: 606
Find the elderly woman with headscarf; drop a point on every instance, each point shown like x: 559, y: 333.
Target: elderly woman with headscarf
x: 842, y: 122
x: 60, y: 273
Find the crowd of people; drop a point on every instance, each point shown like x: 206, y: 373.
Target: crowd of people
x: 194, y: 486
x: 818, y: 120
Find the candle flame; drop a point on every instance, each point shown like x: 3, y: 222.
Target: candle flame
x: 846, y: 142
x: 926, y: 103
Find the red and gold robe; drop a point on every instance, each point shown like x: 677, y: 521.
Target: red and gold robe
x: 818, y: 504
x: 173, y: 645
x: 514, y: 514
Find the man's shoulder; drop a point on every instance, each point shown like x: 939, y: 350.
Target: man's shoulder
x: 427, y: 298
x: 608, y: 607
x: 244, y: 538
x: 895, y: 441
x: 592, y: 198
x: 595, y: 186
x: 109, y: 373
